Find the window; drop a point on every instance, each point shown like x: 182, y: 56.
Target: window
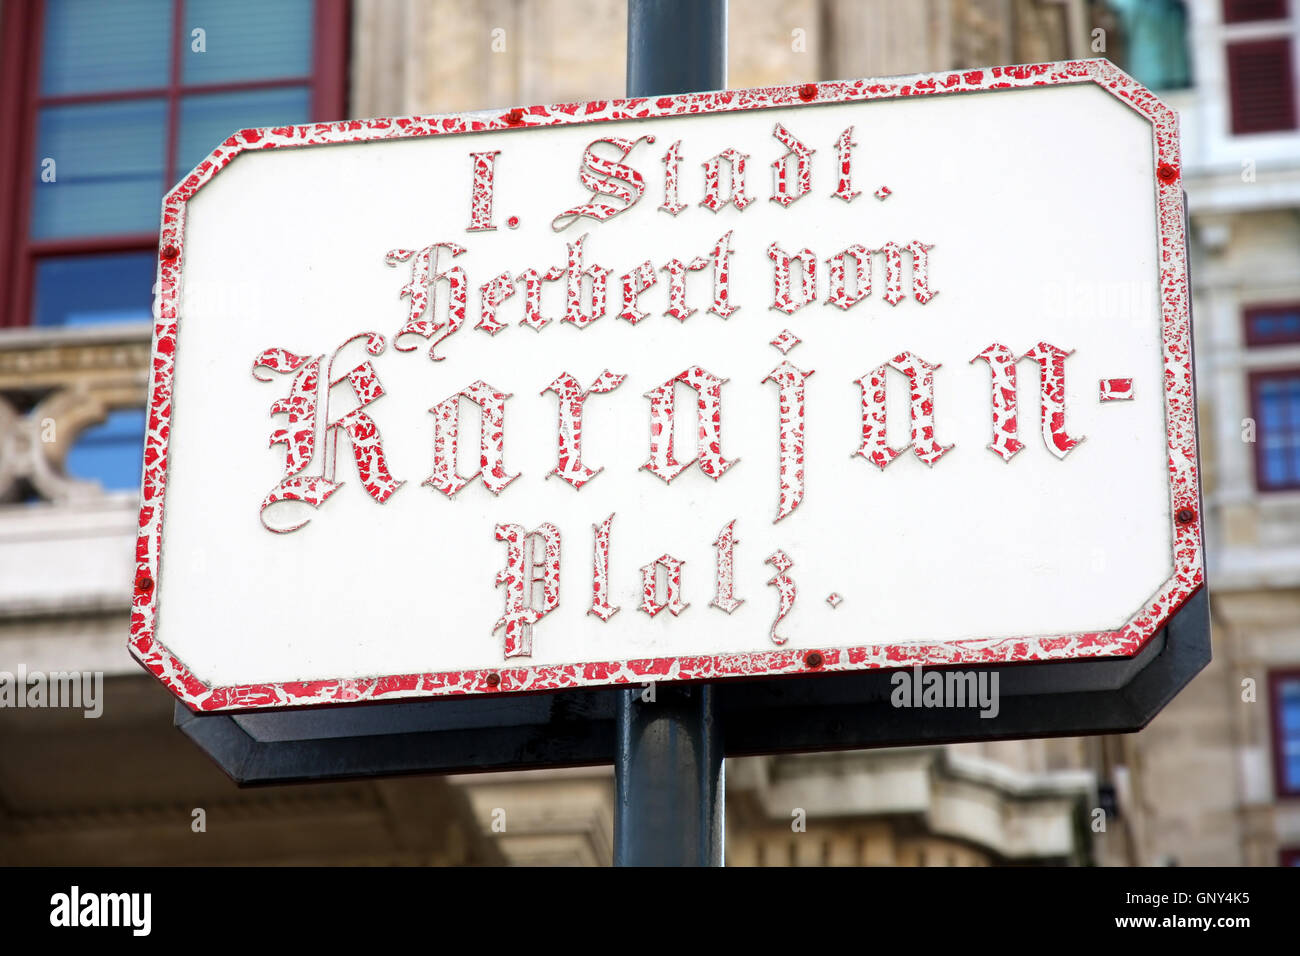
x: 1284, y: 697
x: 1273, y: 324
x: 103, y: 107
x: 122, y: 99
x: 1261, y: 73
x: 1245, y: 11
x: 1261, y: 86
x: 1275, y: 406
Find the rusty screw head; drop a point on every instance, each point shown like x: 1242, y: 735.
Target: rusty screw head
x: 145, y: 583
x: 170, y: 252
x: 494, y: 680
x: 515, y: 116
x: 808, y: 91
x: 1167, y: 173
x: 1185, y: 516
x: 814, y: 659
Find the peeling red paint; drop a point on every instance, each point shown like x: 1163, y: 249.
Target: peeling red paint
x: 1177, y: 388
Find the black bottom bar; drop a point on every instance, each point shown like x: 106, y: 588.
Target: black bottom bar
x: 787, y: 715
x: 974, y: 907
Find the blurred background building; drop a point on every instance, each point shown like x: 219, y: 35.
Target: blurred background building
x: 104, y: 105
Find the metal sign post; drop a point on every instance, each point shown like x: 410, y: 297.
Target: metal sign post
x: 669, y: 780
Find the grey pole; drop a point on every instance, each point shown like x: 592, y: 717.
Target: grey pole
x: 668, y: 778
x: 676, y: 46
x: 668, y: 775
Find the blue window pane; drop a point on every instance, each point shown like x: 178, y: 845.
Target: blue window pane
x: 84, y: 290
x: 1277, y: 405
x: 107, y: 169
x: 1289, y: 705
x: 111, y: 453
x: 1281, y: 324
x: 94, y: 46
x: 246, y: 40
x: 1289, y: 694
x: 1274, y: 469
x: 1270, y: 406
x: 209, y: 118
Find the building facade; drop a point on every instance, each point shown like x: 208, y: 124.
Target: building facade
x: 104, y: 106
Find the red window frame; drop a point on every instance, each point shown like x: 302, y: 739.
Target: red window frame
x: 1254, y: 311
x: 1255, y: 379
x: 21, y: 35
x: 1275, y: 679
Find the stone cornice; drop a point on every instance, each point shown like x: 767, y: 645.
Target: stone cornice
x: 36, y: 359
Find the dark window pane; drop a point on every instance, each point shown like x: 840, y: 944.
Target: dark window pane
x: 1242, y: 11
x: 84, y: 290
x: 111, y: 453
x: 107, y: 172
x: 246, y: 40
x: 96, y: 46
x: 1261, y: 87
x: 209, y: 118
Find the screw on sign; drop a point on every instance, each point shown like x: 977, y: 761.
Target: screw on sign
x: 580, y: 413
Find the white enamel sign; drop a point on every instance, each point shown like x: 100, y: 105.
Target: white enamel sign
x: 787, y: 381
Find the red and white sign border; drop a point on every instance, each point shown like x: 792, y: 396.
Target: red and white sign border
x: 1184, y: 482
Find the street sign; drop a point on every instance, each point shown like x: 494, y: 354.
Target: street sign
x: 791, y: 381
